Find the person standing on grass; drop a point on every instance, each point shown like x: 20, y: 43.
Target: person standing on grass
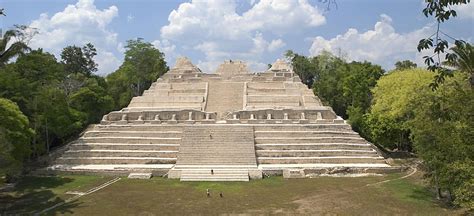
x: 208, y: 193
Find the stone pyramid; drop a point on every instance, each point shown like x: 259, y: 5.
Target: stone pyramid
x: 230, y: 125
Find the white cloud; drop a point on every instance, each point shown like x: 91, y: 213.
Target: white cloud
x: 465, y: 11
x: 167, y: 48
x: 381, y: 45
x: 77, y: 25
x: 275, y: 45
x: 216, y: 30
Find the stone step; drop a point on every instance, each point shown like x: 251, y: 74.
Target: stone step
x: 305, y: 134
x: 215, y: 175
x: 314, y: 146
x: 222, y: 171
x: 218, y: 161
x: 110, y: 133
x: 304, y: 127
x: 121, y: 153
x: 124, y: 146
x: 306, y: 160
x: 131, y: 140
x: 320, y: 165
x: 216, y: 179
x: 287, y: 140
x: 139, y: 127
x: 314, y: 153
x: 115, y: 160
x: 140, y: 175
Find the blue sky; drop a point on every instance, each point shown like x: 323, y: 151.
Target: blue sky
x: 258, y: 32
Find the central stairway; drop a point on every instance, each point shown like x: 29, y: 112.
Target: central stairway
x: 216, y: 153
x: 224, y: 97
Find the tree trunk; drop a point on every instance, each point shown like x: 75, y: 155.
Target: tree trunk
x: 438, y: 189
x: 47, y: 136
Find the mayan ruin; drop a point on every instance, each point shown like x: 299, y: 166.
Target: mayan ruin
x: 241, y: 125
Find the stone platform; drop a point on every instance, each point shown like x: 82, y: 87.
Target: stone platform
x: 232, y: 125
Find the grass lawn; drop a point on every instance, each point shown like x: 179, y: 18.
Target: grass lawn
x: 275, y: 195
x: 33, y: 194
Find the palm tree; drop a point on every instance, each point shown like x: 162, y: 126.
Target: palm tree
x: 13, y: 43
x: 463, y: 60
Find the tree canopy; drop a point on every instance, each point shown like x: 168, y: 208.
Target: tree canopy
x: 15, y: 137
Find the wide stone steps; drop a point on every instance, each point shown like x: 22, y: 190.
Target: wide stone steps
x: 314, y: 153
x: 124, y: 146
x: 216, y: 175
x: 295, y: 127
x: 131, y: 140
x: 285, y: 140
x: 140, y: 127
x: 139, y: 134
x: 305, y: 134
x: 115, y: 160
x: 333, y: 159
x: 217, y: 145
x: 121, y: 153
x: 314, y: 146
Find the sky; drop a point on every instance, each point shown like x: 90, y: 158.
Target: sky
x: 255, y: 31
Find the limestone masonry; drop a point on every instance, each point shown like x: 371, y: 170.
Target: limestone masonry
x: 230, y: 125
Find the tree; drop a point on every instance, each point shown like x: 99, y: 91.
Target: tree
x: 20, y: 36
x: 79, y: 60
x: 442, y: 11
x: 357, y: 85
x: 394, y: 98
x: 92, y: 99
x: 305, y: 67
x: 148, y: 63
x: 463, y: 60
x: 143, y: 64
x: 15, y: 137
x: 442, y: 134
x: 404, y: 65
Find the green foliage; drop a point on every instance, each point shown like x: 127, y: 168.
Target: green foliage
x: 394, y: 98
x: 442, y: 10
x: 15, y: 137
x: 343, y: 86
x: 44, y: 92
x: 404, y: 65
x: 305, y: 67
x: 143, y: 64
x: 79, y: 60
x: 14, y: 43
x: 462, y: 59
x: 442, y: 134
x: 92, y: 99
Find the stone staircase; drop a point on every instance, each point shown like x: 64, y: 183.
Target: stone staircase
x: 224, y: 97
x: 312, y: 146
x: 112, y: 146
x: 227, y: 149
x: 215, y: 175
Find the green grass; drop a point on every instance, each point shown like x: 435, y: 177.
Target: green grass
x: 36, y: 193
x: 275, y: 195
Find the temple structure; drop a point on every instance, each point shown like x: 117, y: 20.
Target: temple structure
x: 231, y: 125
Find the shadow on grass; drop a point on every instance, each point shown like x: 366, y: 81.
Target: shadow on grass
x: 33, y: 194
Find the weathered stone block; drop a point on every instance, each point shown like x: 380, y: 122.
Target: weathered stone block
x: 255, y: 174
x: 293, y: 173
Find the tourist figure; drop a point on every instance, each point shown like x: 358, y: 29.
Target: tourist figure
x: 221, y: 195
x: 212, y: 172
x: 208, y: 193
